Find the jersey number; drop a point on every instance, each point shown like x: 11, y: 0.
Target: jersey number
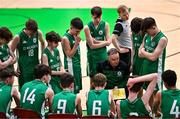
x: 175, y: 109
x: 61, y: 106
x: 30, y: 97
x: 31, y: 52
x: 96, y: 107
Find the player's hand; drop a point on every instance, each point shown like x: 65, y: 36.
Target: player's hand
x: 77, y: 39
x: 108, y: 42
x: 17, y: 72
x: 130, y: 83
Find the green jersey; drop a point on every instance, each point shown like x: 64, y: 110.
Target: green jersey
x: 137, y: 61
x: 64, y: 102
x: 156, y: 66
x: 54, y: 62
x: 28, y: 56
x: 98, y: 102
x: 73, y: 64
x: 5, y: 97
x: 99, y: 54
x: 5, y: 54
x: 170, y: 104
x: 33, y: 96
x: 134, y: 108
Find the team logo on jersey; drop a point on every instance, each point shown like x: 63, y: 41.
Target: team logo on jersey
x: 51, y: 60
x: 34, y: 40
x: 119, y: 73
x: 100, y: 32
x: 24, y: 42
x: 135, y: 38
x: 153, y: 44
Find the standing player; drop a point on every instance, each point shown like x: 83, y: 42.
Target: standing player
x: 133, y: 105
x: 153, y: 50
x: 97, y: 38
x: 7, y: 58
x: 99, y: 100
x: 168, y: 101
x: 7, y: 91
x: 26, y: 43
x: 36, y: 92
x: 51, y: 58
x: 137, y: 38
x: 66, y: 101
x: 71, y: 49
x: 121, y: 38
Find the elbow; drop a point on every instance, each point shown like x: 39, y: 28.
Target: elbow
x: 153, y: 58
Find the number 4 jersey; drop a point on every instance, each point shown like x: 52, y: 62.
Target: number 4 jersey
x: 33, y: 96
x: 170, y: 105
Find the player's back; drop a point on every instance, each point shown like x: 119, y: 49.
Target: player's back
x: 98, y: 102
x: 134, y: 108
x: 33, y: 96
x: 170, y: 104
x: 64, y: 102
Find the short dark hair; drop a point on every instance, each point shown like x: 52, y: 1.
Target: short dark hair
x: 31, y: 25
x: 6, y: 34
x: 5, y: 73
x: 147, y: 23
x: 77, y: 23
x: 136, y: 87
x: 99, y: 80
x: 41, y: 70
x: 112, y: 51
x: 66, y: 80
x: 169, y: 77
x: 96, y: 11
x: 53, y: 37
x: 136, y: 25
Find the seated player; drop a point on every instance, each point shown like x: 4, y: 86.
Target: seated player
x: 66, y: 101
x: 168, y: 101
x: 99, y: 100
x: 36, y: 92
x: 7, y: 91
x: 133, y: 105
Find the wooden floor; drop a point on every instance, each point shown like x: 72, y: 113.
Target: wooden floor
x: 166, y: 13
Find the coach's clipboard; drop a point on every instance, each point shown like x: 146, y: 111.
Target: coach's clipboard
x: 118, y: 93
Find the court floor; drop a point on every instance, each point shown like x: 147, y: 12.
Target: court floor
x: 166, y: 13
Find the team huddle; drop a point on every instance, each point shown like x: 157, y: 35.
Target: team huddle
x: 50, y: 86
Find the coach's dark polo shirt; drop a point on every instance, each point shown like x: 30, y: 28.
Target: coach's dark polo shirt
x: 117, y: 76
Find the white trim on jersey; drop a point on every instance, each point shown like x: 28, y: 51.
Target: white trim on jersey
x: 7, y: 109
x: 70, y: 65
x: 160, y: 71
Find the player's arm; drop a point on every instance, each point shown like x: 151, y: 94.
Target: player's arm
x: 107, y: 31
x: 5, y: 63
x: 67, y: 49
x: 157, y: 104
x: 15, y: 95
x: 157, y: 52
x: 140, y: 54
x: 92, y: 43
x: 152, y: 78
x: 62, y: 70
x: 41, y: 40
x: 118, y: 109
x: 78, y: 105
x: 13, y: 44
x: 49, y: 95
x: 112, y: 104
